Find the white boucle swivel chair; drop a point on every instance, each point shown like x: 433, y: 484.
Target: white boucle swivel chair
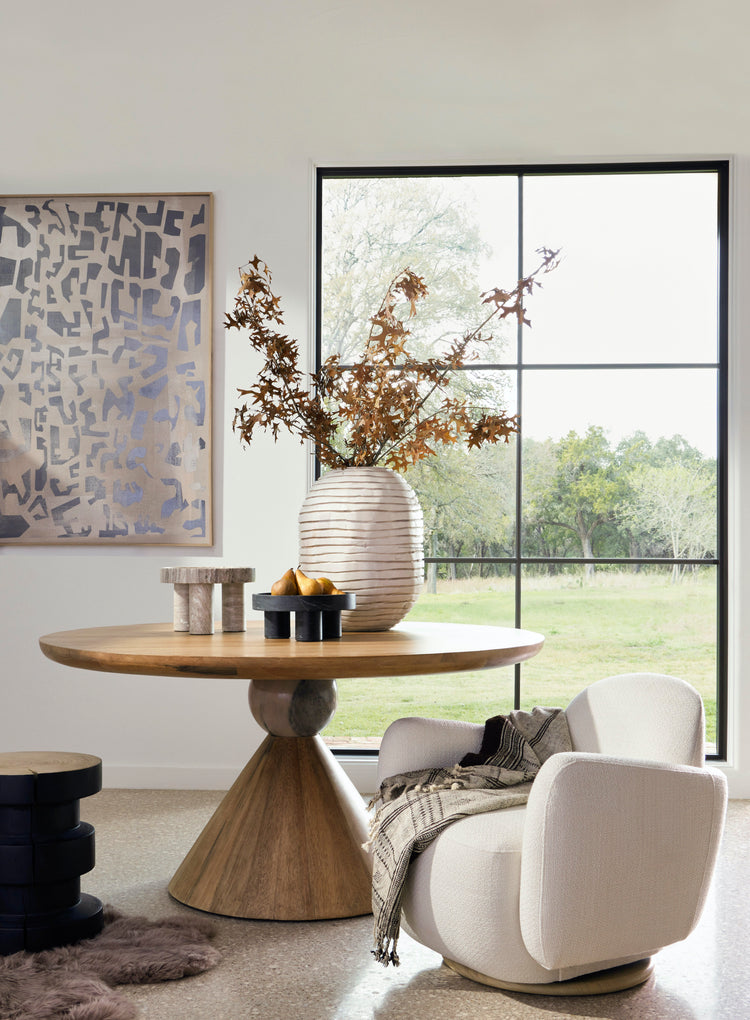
x: 610, y: 860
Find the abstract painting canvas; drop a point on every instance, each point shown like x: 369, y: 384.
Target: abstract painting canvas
x: 105, y: 369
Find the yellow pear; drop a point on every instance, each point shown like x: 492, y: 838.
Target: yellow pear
x: 286, y: 584
x: 336, y: 591
x: 326, y: 584
x: 307, y: 585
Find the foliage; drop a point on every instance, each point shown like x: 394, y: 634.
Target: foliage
x: 676, y: 503
x: 390, y: 407
x: 468, y: 504
x: 581, y: 496
x: 583, y: 493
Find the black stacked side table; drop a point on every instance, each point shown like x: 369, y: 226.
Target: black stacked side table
x: 44, y: 849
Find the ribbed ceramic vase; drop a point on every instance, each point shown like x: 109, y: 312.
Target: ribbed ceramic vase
x: 363, y: 528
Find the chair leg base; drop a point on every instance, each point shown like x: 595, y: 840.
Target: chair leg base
x: 616, y: 979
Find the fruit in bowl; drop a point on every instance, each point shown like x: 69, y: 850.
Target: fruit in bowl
x: 296, y: 582
x: 329, y: 588
x: 286, y: 584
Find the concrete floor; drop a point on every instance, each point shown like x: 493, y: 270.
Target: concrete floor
x: 324, y: 971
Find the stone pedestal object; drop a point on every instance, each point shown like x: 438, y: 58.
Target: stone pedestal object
x: 194, y: 597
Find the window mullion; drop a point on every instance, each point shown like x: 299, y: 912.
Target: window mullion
x: 519, y: 450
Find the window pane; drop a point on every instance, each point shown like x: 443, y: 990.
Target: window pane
x: 624, y: 620
x: 459, y: 233
x: 658, y: 402
x: 468, y: 497
x: 624, y: 464
x: 367, y: 706
x: 638, y: 279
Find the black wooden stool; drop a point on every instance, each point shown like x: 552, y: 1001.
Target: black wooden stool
x: 44, y: 849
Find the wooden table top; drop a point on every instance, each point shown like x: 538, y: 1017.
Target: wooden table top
x: 155, y: 649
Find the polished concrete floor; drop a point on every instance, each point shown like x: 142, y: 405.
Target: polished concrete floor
x: 323, y: 970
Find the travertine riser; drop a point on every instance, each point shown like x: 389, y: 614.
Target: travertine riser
x: 362, y: 527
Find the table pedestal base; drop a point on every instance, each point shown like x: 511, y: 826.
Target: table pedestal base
x: 285, y: 843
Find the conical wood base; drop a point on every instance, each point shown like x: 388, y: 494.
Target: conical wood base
x: 285, y: 843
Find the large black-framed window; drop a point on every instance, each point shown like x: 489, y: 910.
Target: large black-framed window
x: 634, y: 330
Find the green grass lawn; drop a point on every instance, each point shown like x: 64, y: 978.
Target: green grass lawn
x: 617, y: 623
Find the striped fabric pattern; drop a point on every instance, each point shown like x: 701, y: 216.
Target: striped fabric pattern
x: 413, y: 808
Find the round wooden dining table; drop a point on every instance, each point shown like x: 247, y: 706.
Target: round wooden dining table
x: 286, y: 841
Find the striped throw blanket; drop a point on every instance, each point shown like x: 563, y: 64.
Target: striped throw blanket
x: 413, y: 808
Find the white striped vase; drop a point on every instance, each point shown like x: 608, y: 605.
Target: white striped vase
x: 363, y: 528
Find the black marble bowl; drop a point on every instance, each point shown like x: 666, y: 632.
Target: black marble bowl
x: 316, y: 617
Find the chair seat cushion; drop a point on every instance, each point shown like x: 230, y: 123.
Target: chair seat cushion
x: 461, y: 899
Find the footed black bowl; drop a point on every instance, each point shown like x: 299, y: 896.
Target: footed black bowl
x: 316, y: 617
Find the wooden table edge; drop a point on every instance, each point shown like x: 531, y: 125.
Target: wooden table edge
x: 220, y: 655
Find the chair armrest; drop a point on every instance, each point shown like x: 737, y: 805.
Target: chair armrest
x: 617, y: 856
x: 415, y: 743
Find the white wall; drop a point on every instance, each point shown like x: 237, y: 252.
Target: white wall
x: 242, y: 100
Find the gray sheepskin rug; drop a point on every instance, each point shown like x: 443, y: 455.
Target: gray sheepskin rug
x: 75, y: 982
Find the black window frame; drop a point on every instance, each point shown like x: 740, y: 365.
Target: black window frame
x: 722, y: 169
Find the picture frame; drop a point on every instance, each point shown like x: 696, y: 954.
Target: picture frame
x: 105, y: 369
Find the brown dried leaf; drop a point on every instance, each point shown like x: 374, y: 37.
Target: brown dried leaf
x: 377, y: 411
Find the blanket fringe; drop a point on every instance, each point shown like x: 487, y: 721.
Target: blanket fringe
x: 385, y: 951
x: 374, y: 826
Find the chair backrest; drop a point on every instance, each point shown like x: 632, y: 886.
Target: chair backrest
x: 640, y: 715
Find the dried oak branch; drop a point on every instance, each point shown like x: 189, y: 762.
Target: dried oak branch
x: 387, y: 407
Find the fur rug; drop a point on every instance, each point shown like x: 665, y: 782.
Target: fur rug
x: 75, y: 982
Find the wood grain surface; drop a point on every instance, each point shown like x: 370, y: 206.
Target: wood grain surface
x: 408, y: 649
x: 285, y: 843
x: 15, y: 763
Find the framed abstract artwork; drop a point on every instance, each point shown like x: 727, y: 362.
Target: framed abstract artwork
x: 105, y: 369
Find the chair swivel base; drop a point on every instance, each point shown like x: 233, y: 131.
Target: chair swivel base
x: 616, y: 979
